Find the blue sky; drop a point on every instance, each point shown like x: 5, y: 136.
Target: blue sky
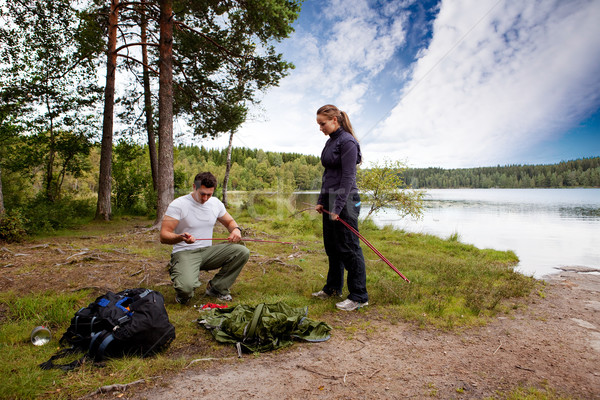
x: 452, y: 84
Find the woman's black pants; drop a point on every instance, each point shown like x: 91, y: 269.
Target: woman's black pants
x: 343, y: 249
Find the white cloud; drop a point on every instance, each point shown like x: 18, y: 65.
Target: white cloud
x: 496, y: 78
x: 337, y: 67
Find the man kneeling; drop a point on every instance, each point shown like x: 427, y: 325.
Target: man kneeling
x: 192, y: 217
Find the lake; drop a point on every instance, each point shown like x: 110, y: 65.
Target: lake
x: 546, y: 228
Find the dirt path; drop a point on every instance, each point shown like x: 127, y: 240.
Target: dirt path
x: 554, y: 341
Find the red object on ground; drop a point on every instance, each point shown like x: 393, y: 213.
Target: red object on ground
x: 208, y: 306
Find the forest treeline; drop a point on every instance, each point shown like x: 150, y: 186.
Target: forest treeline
x: 251, y: 169
x: 583, y: 172
x: 24, y: 182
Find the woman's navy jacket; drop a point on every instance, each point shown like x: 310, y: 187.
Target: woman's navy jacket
x: 340, y: 156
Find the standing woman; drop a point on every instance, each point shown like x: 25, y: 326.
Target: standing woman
x: 339, y: 196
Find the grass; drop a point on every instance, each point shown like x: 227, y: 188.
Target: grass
x: 453, y: 286
x: 522, y: 393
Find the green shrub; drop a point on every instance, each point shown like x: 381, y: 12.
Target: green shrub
x: 43, y: 216
x: 12, y: 227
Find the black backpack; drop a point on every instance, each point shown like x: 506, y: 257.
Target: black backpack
x: 131, y: 322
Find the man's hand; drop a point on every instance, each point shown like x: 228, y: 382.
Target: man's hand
x: 188, y: 238
x: 235, y: 235
x: 319, y: 208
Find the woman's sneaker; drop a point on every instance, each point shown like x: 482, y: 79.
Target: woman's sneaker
x: 350, y: 305
x: 324, y: 296
x: 321, y: 295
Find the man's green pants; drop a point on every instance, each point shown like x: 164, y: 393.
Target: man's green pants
x: 185, y: 267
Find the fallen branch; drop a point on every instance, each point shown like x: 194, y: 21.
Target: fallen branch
x: 209, y: 359
x: 500, y: 345
x: 525, y: 369
x: 354, y: 351
x: 120, y: 251
x: 373, y: 374
x: 38, y: 246
x: 96, y: 257
x: 145, y: 278
x: 321, y: 374
x: 77, y: 254
x: 278, y: 261
x: 117, y: 387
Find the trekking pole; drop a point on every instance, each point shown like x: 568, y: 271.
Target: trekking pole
x: 251, y: 240
x: 243, y: 240
x: 365, y: 241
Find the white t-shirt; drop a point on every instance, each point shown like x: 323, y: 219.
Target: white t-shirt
x: 195, y: 218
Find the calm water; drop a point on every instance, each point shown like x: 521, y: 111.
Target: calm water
x: 546, y: 228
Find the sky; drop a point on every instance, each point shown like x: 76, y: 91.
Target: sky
x: 450, y: 84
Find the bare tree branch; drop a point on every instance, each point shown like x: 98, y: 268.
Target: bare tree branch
x: 138, y: 61
x: 136, y: 44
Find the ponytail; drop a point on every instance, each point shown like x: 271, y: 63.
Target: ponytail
x: 332, y: 111
x: 345, y: 123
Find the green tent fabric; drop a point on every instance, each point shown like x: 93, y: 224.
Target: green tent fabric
x: 264, y: 327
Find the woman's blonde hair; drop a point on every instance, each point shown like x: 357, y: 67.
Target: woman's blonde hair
x: 331, y: 111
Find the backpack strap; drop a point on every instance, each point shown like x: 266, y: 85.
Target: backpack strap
x: 65, y: 367
x: 99, y: 344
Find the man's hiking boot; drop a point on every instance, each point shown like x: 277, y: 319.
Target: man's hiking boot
x: 181, y: 300
x: 213, y: 293
x: 350, y: 305
x: 324, y: 296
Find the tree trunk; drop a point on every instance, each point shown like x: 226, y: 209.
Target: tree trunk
x: 148, y: 99
x: 166, y: 184
x: 50, y: 159
x: 103, y: 209
x: 227, y: 168
x: 2, y: 210
x: 51, y: 147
